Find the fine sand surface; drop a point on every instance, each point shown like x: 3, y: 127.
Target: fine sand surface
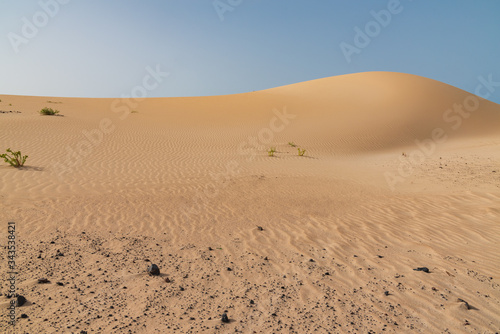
x: 185, y: 182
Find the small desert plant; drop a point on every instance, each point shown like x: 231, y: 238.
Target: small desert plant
x: 271, y: 151
x: 134, y: 112
x: 301, y: 152
x: 15, y: 160
x: 48, y: 111
x: 10, y: 104
x: 292, y: 144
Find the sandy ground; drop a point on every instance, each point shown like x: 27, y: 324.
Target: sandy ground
x: 400, y: 172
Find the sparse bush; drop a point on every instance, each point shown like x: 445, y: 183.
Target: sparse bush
x: 271, y: 151
x: 49, y: 111
x: 292, y: 144
x: 301, y: 152
x: 134, y: 112
x: 10, y: 104
x: 15, y: 159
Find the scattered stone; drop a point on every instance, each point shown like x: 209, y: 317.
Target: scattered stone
x: 260, y: 228
x: 311, y: 260
x: 21, y: 300
x: 229, y: 269
x: 252, y: 302
x: 210, y: 249
x: 266, y: 258
x: 24, y: 316
x: 167, y: 280
x: 466, y: 322
x: 225, y: 319
x: 59, y: 253
x: 380, y: 256
x: 181, y: 288
x: 386, y: 293
x: 43, y: 281
x: 424, y: 269
x: 153, y: 270
x: 327, y: 274
x: 60, y: 283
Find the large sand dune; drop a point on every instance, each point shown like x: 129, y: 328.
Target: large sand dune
x: 113, y: 185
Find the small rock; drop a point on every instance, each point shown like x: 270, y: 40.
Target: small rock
x: 260, y: 228
x: 167, y: 280
x: 466, y: 322
x: 386, y: 293
x: 311, y: 260
x: 21, y: 300
x: 252, y: 302
x: 24, y: 316
x: 467, y: 306
x: 43, y: 281
x: 60, y: 283
x: 210, y: 249
x: 153, y: 270
x: 424, y: 269
x: 229, y: 269
x: 225, y: 319
x: 380, y: 256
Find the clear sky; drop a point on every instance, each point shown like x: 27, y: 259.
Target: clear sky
x: 97, y: 48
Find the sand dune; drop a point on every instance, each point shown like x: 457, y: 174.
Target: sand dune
x: 184, y: 183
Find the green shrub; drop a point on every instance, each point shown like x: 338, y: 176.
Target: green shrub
x: 292, y: 144
x: 49, y: 111
x: 301, y: 152
x: 15, y: 160
x: 271, y: 151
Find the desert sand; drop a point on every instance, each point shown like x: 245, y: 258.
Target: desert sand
x: 400, y: 172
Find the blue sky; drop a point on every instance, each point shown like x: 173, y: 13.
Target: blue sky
x: 96, y: 48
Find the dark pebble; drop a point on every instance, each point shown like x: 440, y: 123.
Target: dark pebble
x: 21, y: 300
x: 153, y: 270
x: 225, y: 319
